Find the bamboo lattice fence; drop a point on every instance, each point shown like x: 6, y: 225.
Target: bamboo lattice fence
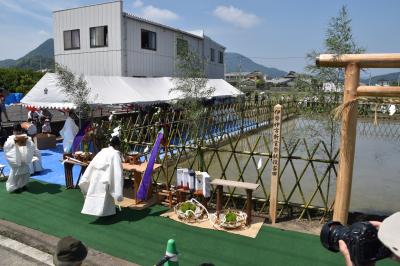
x: 233, y: 141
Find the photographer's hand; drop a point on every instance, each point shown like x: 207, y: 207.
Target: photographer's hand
x: 345, y: 252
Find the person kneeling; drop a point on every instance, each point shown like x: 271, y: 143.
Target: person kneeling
x: 18, y: 150
x: 102, y: 182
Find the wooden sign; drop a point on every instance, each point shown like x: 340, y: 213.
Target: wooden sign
x: 276, y: 153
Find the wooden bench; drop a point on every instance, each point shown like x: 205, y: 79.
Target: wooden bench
x: 249, y: 187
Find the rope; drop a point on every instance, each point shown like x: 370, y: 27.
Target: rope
x: 338, y: 111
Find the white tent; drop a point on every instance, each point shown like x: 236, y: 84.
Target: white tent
x: 109, y: 90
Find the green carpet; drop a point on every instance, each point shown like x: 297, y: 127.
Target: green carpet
x: 141, y: 236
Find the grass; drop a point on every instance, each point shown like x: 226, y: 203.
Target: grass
x: 141, y: 236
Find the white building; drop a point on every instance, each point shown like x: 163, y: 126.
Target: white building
x: 103, y: 40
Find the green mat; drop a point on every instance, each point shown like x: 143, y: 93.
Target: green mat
x: 141, y: 236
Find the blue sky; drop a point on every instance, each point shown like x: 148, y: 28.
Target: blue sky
x: 273, y: 33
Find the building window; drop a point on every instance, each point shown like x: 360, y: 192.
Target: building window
x: 220, y: 57
x: 212, y: 55
x: 98, y: 37
x: 71, y: 40
x: 182, y: 47
x: 149, y: 40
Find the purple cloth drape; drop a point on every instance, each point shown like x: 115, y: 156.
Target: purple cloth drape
x: 78, y: 138
x: 146, y: 180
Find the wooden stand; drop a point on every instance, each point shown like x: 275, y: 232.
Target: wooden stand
x: 137, y: 171
x: 69, y: 163
x: 249, y: 187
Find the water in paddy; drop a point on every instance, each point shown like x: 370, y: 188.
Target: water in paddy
x: 376, y: 179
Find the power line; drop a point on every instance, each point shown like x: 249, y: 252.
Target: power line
x: 272, y: 58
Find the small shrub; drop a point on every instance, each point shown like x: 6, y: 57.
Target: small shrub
x: 187, y: 206
x: 231, y: 217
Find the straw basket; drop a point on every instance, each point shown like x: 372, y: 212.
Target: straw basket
x: 232, y: 219
x: 189, y: 211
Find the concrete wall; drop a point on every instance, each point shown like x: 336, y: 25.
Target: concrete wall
x: 86, y: 60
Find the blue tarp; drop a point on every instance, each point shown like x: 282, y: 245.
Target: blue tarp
x: 53, y: 169
x: 14, y: 98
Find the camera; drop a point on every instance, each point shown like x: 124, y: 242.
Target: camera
x: 361, y: 239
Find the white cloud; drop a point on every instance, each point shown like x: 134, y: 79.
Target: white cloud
x: 21, y: 9
x: 236, y: 16
x: 158, y: 14
x: 138, y: 4
x: 44, y: 33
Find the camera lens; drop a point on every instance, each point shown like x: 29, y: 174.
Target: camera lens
x: 330, y: 235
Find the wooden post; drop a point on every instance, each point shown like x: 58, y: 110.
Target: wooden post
x: 347, y: 144
x: 353, y: 63
x: 276, y: 150
x: 219, y: 200
x: 249, y: 206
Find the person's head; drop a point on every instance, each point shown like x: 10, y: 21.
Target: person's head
x: 115, y: 142
x: 47, y: 121
x: 17, y: 129
x: 69, y: 252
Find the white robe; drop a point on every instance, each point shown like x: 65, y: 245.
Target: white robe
x: 19, y: 158
x: 68, y: 132
x: 36, y: 164
x: 102, y: 182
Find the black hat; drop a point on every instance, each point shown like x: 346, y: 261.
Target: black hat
x: 69, y: 252
x: 17, y: 127
x: 115, y: 142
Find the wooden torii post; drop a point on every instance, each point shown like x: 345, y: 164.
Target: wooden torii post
x: 352, y: 64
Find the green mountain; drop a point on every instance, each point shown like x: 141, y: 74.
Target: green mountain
x: 390, y: 78
x: 239, y: 63
x: 41, y: 57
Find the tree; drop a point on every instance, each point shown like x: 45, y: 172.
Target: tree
x: 19, y: 80
x: 191, y: 82
x: 75, y: 88
x: 339, y: 40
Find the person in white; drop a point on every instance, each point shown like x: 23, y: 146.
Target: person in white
x: 68, y: 132
x: 102, y: 182
x: 18, y: 150
x: 36, y: 164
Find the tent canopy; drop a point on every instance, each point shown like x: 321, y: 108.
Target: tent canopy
x: 110, y: 90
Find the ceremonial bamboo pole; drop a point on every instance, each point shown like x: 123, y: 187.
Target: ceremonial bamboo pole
x: 347, y: 144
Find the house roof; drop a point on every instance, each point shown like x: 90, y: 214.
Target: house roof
x: 194, y: 34
x: 111, y: 90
